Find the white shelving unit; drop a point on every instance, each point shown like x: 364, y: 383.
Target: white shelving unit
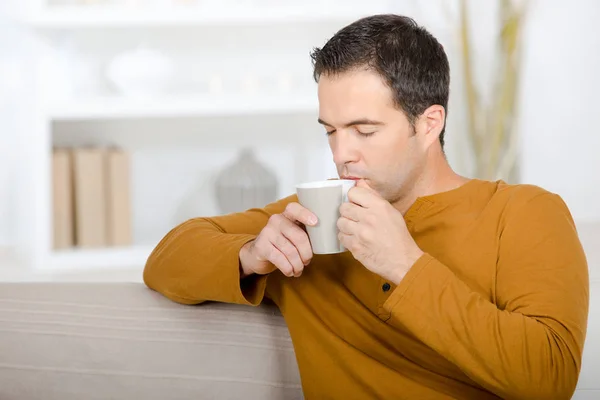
x: 182, y: 106
x: 110, y: 260
x: 74, y: 17
x: 84, y: 260
x: 45, y: 22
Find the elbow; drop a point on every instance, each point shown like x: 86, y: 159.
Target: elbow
x: 162, y: 275
x: 167, y: 270
x: 156, y: 276
x: 564, y: 385
x: 152, y: 270
x: 149, y: 275
x: 549, y: 391
x: 553, y: 392
x: 560, y: 384
x: 159, y: 280
x: 153, y: 275
x: 159, y: 274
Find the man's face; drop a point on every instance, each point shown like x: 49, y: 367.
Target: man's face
x: 370, y: 138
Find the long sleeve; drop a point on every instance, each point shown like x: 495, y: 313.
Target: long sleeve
x: 528, y: 343
x: 198, y: 260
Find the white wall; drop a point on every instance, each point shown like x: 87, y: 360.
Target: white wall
x: 559, y: 101
x: 9, y: 82
x: 5, y: 184
x: 559, y: 134
x: 560, y: 130
x: 16, y: 91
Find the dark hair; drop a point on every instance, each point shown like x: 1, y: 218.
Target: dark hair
x: 411, y: 61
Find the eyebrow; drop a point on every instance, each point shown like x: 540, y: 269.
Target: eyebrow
x: 363, y: 121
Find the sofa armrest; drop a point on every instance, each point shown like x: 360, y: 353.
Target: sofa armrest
x: 124, y: 341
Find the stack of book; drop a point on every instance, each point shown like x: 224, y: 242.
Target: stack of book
x: 91, y: 197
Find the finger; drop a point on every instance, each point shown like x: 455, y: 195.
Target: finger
x: 347, y: 226
x: 290, y: 252
x: 300, y: 240
x: 363, y: 197
x: 351, y: 211
x: 363, y: 184
x: 296, y: 212
x: 345, y: 240
x: 280, y: 261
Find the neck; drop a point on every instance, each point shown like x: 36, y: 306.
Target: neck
x: 437, y: 177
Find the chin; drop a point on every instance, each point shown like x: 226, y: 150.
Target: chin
x: 391, y: 194
x: 381, y: 189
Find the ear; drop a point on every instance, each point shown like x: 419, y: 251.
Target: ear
x: 430, y: 124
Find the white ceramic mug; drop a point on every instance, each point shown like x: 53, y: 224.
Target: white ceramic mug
x: 324, y: 198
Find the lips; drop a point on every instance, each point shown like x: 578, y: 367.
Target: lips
x: 352, y: 178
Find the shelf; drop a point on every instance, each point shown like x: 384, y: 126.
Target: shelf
x: 98, y: 259
x: 165, y: 107
x: 74, y: 17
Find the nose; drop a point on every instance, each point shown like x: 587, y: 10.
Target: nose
x: 344, y: 147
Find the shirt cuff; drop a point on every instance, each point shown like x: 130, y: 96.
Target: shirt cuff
x: 251, y: 289
x: 426, y: 276
x: 220, y: 279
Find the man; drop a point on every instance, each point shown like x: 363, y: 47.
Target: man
x: 452, y: 287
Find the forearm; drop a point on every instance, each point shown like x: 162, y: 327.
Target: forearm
x: 196, y: 262
x: 199, y: 260
x: 508, y: 353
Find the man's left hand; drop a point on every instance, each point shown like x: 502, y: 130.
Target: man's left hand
x: 376, y: 234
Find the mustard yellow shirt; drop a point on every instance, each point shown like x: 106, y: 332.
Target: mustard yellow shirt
x: 497, y: 306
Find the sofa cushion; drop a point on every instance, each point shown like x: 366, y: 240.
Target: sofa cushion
x: 123, y: 341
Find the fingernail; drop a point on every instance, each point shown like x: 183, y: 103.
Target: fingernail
x: 312, y: 220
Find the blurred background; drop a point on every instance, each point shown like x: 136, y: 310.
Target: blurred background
x: 120, y: 119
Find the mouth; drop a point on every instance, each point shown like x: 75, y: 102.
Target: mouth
x: 352, y: 178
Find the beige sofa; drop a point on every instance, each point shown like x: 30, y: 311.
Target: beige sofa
x: 67, y: 341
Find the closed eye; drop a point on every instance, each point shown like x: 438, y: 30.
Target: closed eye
x: 363, y: 122
x: 365, y: 134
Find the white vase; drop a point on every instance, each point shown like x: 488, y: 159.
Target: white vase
x: 245, y: 184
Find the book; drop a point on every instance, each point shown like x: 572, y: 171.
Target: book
x: 118, y: 198
x: 90, y: 197
x: 62, y: 199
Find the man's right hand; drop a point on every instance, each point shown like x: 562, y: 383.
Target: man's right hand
x: 283, y: 244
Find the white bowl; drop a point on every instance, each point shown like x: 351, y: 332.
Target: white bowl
x: 141, y: 72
